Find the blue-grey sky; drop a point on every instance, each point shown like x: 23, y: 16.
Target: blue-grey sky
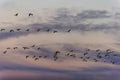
x: 103, y: 4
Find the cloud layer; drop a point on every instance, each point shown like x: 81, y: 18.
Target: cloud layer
x: 86, y: 33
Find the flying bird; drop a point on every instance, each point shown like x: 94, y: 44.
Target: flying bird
x: 95, y: 60
x: 15, y: 48
x: 28, y: 30
x: 25, y: 48
x: 81, y: 57
x: 36, y: 59
x: 98, y: 56
x: 87, y: 57
x: 67, y: 54
x: 33, y: 46
x: 97, y: 50
x: 8, y: 48
x: 71, y: 50
x: 18, y: 29
x: 48, y: 30
x: 108, y: 50
x: 38, y: 48
x: 16, y: 14
x: 55, y: 31
x: 87, y: 49
x: 30, y: 14
x: 112, y: 62
x: 4, y: 52
x: 27, y: 57
x: 69, y: 30
x: 55, y: 58
x: 33, y: 56
x: 73, y: 55
x: 40, y: 56
x: 2, y: 30
x: 85, y: 53
x: 55, y: 55
x: 38, y: 30
x: 11, y: 30
x: 45, y: 56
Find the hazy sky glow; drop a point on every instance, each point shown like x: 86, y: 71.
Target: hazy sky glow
x: 94, y: 24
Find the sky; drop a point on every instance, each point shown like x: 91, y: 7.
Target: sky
x: 69, y: 27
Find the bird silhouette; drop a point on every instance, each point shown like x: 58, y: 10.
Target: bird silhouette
x: 115, y: 55
x: 11, y: 30
x: 97, y: 50
x: 18, y: 29
x: 55, y: 58
x: 38, y: 48
x: 95, y: 60
x: 81, y: 57
x: 55, y: 55
x: 30, y: 14
x: 16, y: 14
x: 8, y: 48
x: 71, y: 50
x: 38, y: 30
x: 55, y: 31
x: 107, y: 54
x: 73, y: 55
x: 36, y: 59
x: 33, y: 56
x: 48, y: 30
x: 87, y: 57
x: 87, y: 49
x: 45, y: 56
x: 15, y: 48
x: 98, y: 56
x: 27, y: 57
x: 108, y: 50
x: 4, y: 52
x: 67, y: 54
x: 2, y: 30
x: 25, y: 48
x: 69, y: 30
x: 85, y: 53
x: 28, y: 30
x: 112, y: 62
x: 40, y: 56
x: 33, y: 46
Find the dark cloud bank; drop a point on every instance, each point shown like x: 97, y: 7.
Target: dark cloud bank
x: 92, y: 73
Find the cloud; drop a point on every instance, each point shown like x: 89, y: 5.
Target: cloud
x: 83, y: 35
x: 64, y: 20
x: 117, y: 15
x: 93, y: 14
x: 65, y: 16
x: 34, y: 73
x: 48, y: 50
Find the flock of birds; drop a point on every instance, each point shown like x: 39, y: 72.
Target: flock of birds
x: 86, y: 55
x: 28, y: 30
x: 17, y: 14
